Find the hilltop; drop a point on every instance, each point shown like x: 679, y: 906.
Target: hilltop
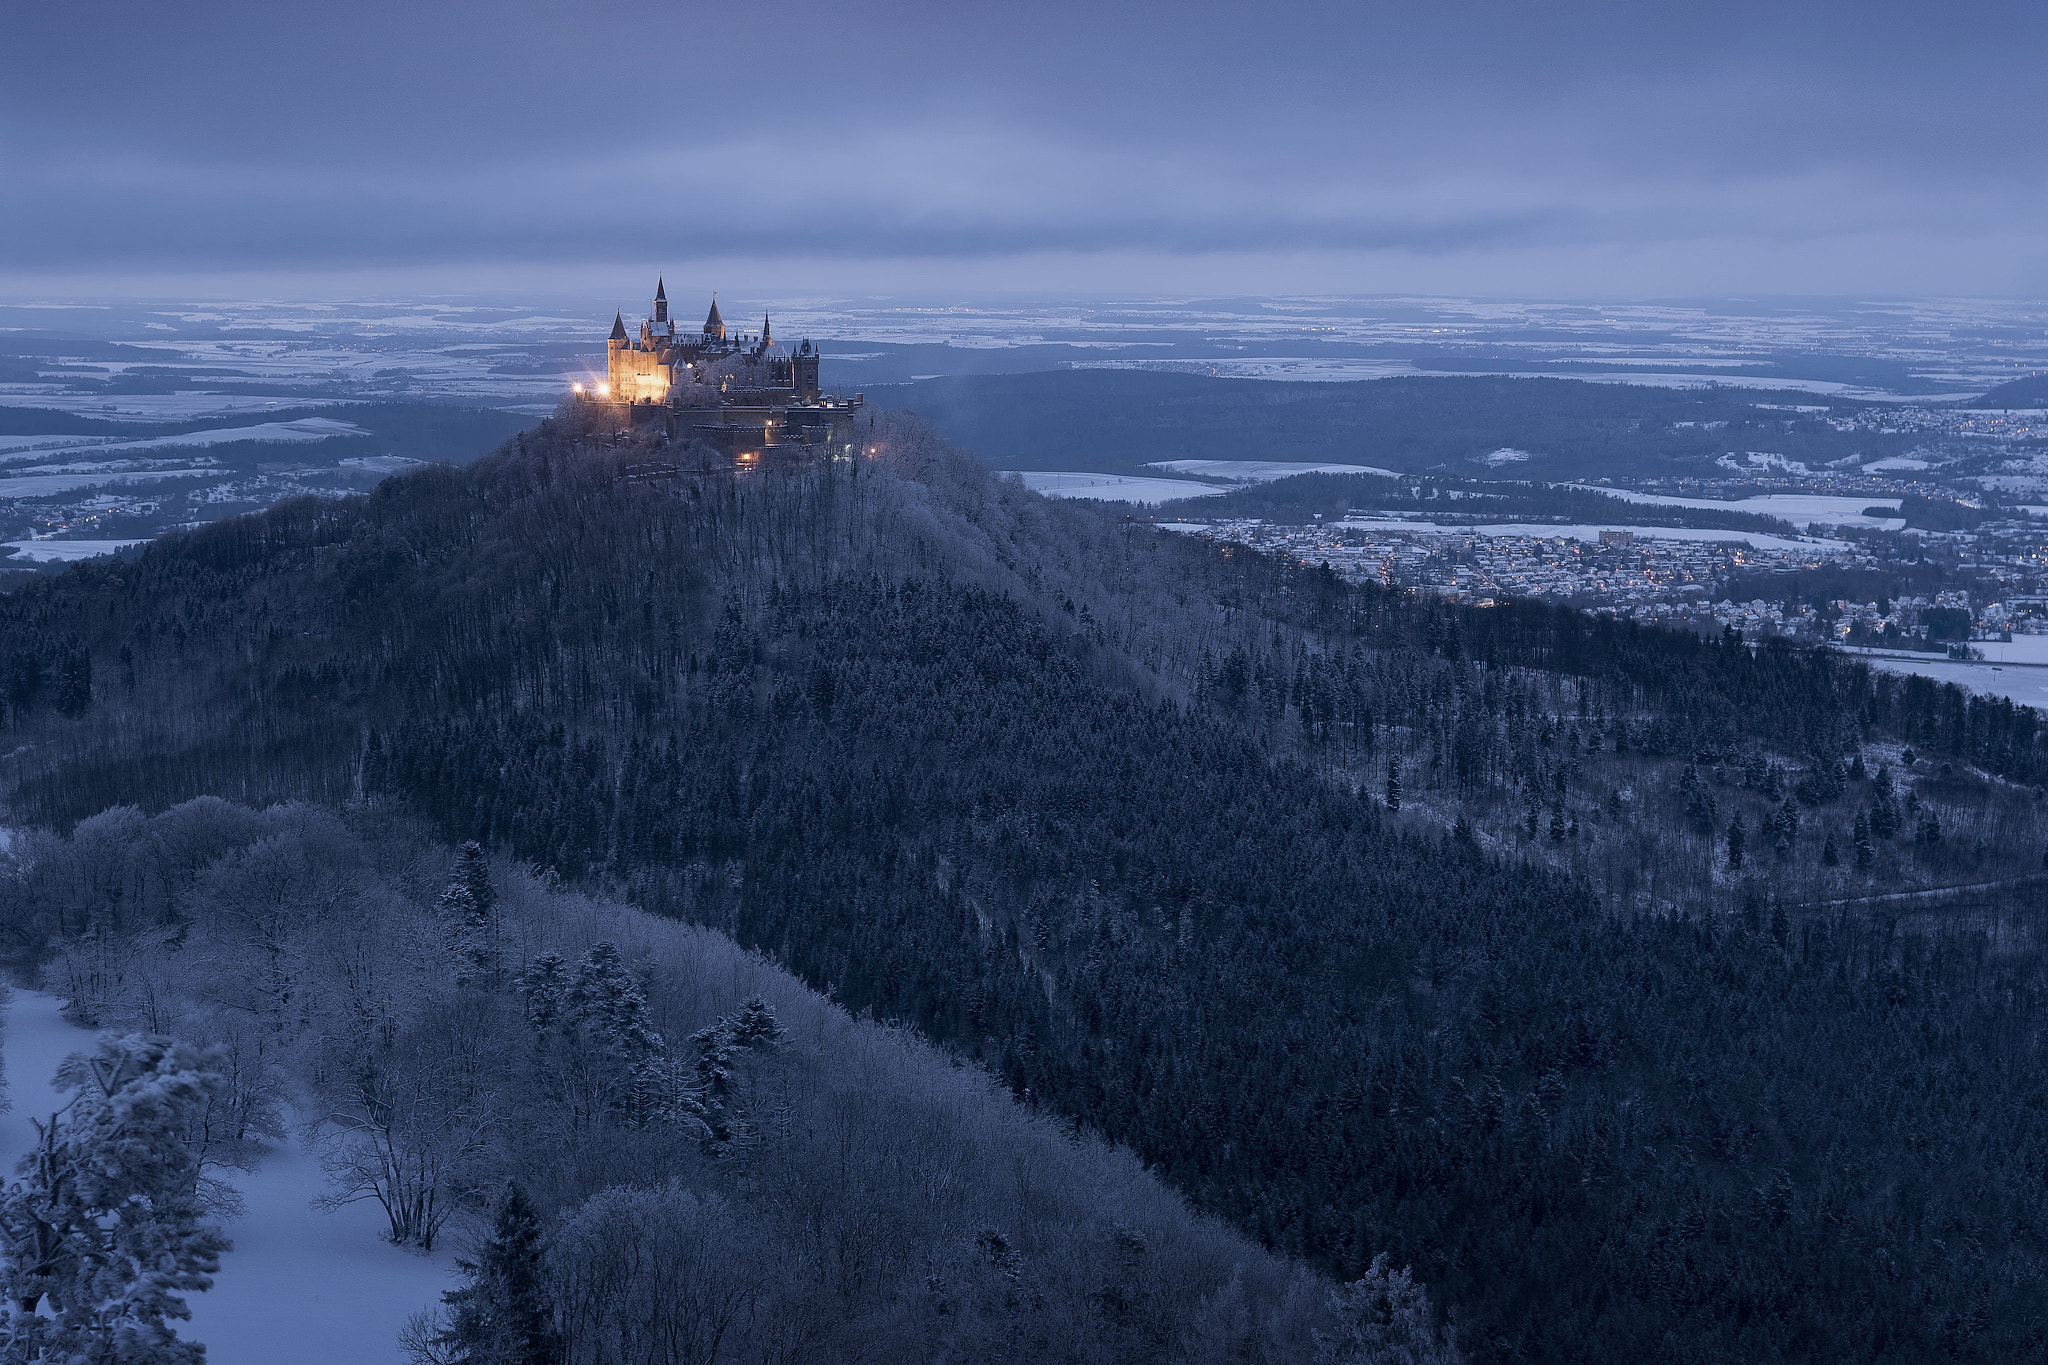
x: 1373, y: 926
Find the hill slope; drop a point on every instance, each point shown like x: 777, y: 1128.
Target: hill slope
x: 1084, y: 804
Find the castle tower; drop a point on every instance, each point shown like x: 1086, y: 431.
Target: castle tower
x: 804, y: 370
x: 613, y: 346
x: 714, y: 325
x: 660, y: 301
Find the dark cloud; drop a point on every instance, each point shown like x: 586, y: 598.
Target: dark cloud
x: 1898, y: 144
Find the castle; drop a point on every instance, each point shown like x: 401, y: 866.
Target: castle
x: 745, y: 397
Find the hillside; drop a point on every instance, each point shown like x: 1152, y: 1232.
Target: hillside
x: 2031, y: 392
x: 1111, y: 814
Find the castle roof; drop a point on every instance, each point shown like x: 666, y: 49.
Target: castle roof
x: 660, y: 292
x: 714, y: 320
x: 619, y: 327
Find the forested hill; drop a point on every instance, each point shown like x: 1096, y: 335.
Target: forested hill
x: 1112, y: 813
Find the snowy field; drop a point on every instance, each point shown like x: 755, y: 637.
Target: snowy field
x: 1114, y: 487
x: 1539, y: 530
x: 1800, y: 509
x: 300, y: 1287
x: 2020, y: 680
x: 64, y: 551
x: 30, y: 485
x: 1260, y: 471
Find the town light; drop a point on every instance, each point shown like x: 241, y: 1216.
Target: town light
x: 604, y: 390
x: 577, y: 387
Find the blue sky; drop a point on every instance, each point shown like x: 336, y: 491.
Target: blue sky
x: 1570, y: 149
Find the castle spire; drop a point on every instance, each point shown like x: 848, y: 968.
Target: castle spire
x: 764, y: 329
x: 714, y: 325
x: 661, y: 299
x: 619, y: 327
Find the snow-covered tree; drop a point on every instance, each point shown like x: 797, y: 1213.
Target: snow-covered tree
x: 1384, y: 1318
x: 103, y: 1233
x: 470, y: 902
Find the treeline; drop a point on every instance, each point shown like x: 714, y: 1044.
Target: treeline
x: 809, y: 1187
x: 1105, y: 811
x: 1450, y: 501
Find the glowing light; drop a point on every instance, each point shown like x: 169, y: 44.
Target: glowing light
x: 604, y: 390
x: 577, y: 387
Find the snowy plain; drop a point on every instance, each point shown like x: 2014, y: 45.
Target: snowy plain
x: 64, y: 551
x: 1801, y: 509
x: 2021, y: 677
x: 1261, y: 471
x: 1114, y: 487
x: 300, y: 1287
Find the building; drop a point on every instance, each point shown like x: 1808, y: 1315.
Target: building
x: 746, y: 397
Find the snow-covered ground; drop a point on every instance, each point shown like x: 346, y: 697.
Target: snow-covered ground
x: 2020, y: 679
x: 44, y: 485
x: 63, y: 551
x: 1800, y: 509
x: 1115, y: 487
x: 300, y: 1287
x: 1260, y: 471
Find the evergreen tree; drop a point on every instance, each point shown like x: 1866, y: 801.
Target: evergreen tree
x: 104, y: 1235
x: 1829, y: 855
x: 1393, y: 784
x: 1737, y: 836
x: 503, y: 1315
x: 471, y: 902
x: 1557, y: 827
x: 545, y: 987
x: 1866, y: 854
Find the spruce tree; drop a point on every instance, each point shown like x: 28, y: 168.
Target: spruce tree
x: 104, y: 1235
x: 503, y: 1316
x: 1866, y: 854
x: 1393, y: 784
x: 1736, y: 838
x: 1829, y: 855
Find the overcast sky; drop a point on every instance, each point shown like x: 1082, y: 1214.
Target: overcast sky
x: 1539, y: 150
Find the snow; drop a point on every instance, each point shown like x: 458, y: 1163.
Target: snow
x: 1798, y: 508
x: 1505, y: 455
x: 1261, y: 471
x: 1897, y: 462
x: 2024, y: 684
x: 300, y: 1286
x: 1114, y: 487
x: 63, y: 551
x: 43, y: 485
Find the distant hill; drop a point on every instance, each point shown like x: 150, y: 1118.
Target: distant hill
x: 1119, y: 420
x: 2031, y: 392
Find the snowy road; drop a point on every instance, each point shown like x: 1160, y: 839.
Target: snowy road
x: 305, y: 1287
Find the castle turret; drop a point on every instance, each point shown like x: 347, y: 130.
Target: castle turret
x: 714, y: 325
x: 619, y: 327
x: 660, y: 300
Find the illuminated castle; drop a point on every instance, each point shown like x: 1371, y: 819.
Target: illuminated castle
x: 742, y: 395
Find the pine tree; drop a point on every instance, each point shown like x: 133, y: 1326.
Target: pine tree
x: 1393, y: 784
x: 1865, y: 853
x: 104, y: 1235
x: 545, y: 987
x: 503, y: 1315
x: 1736, y: 838
x: 1829, y: 855
x: 471, y: 902
x: 1557, y: 828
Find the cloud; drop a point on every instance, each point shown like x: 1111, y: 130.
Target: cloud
x: 1885, y: 150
